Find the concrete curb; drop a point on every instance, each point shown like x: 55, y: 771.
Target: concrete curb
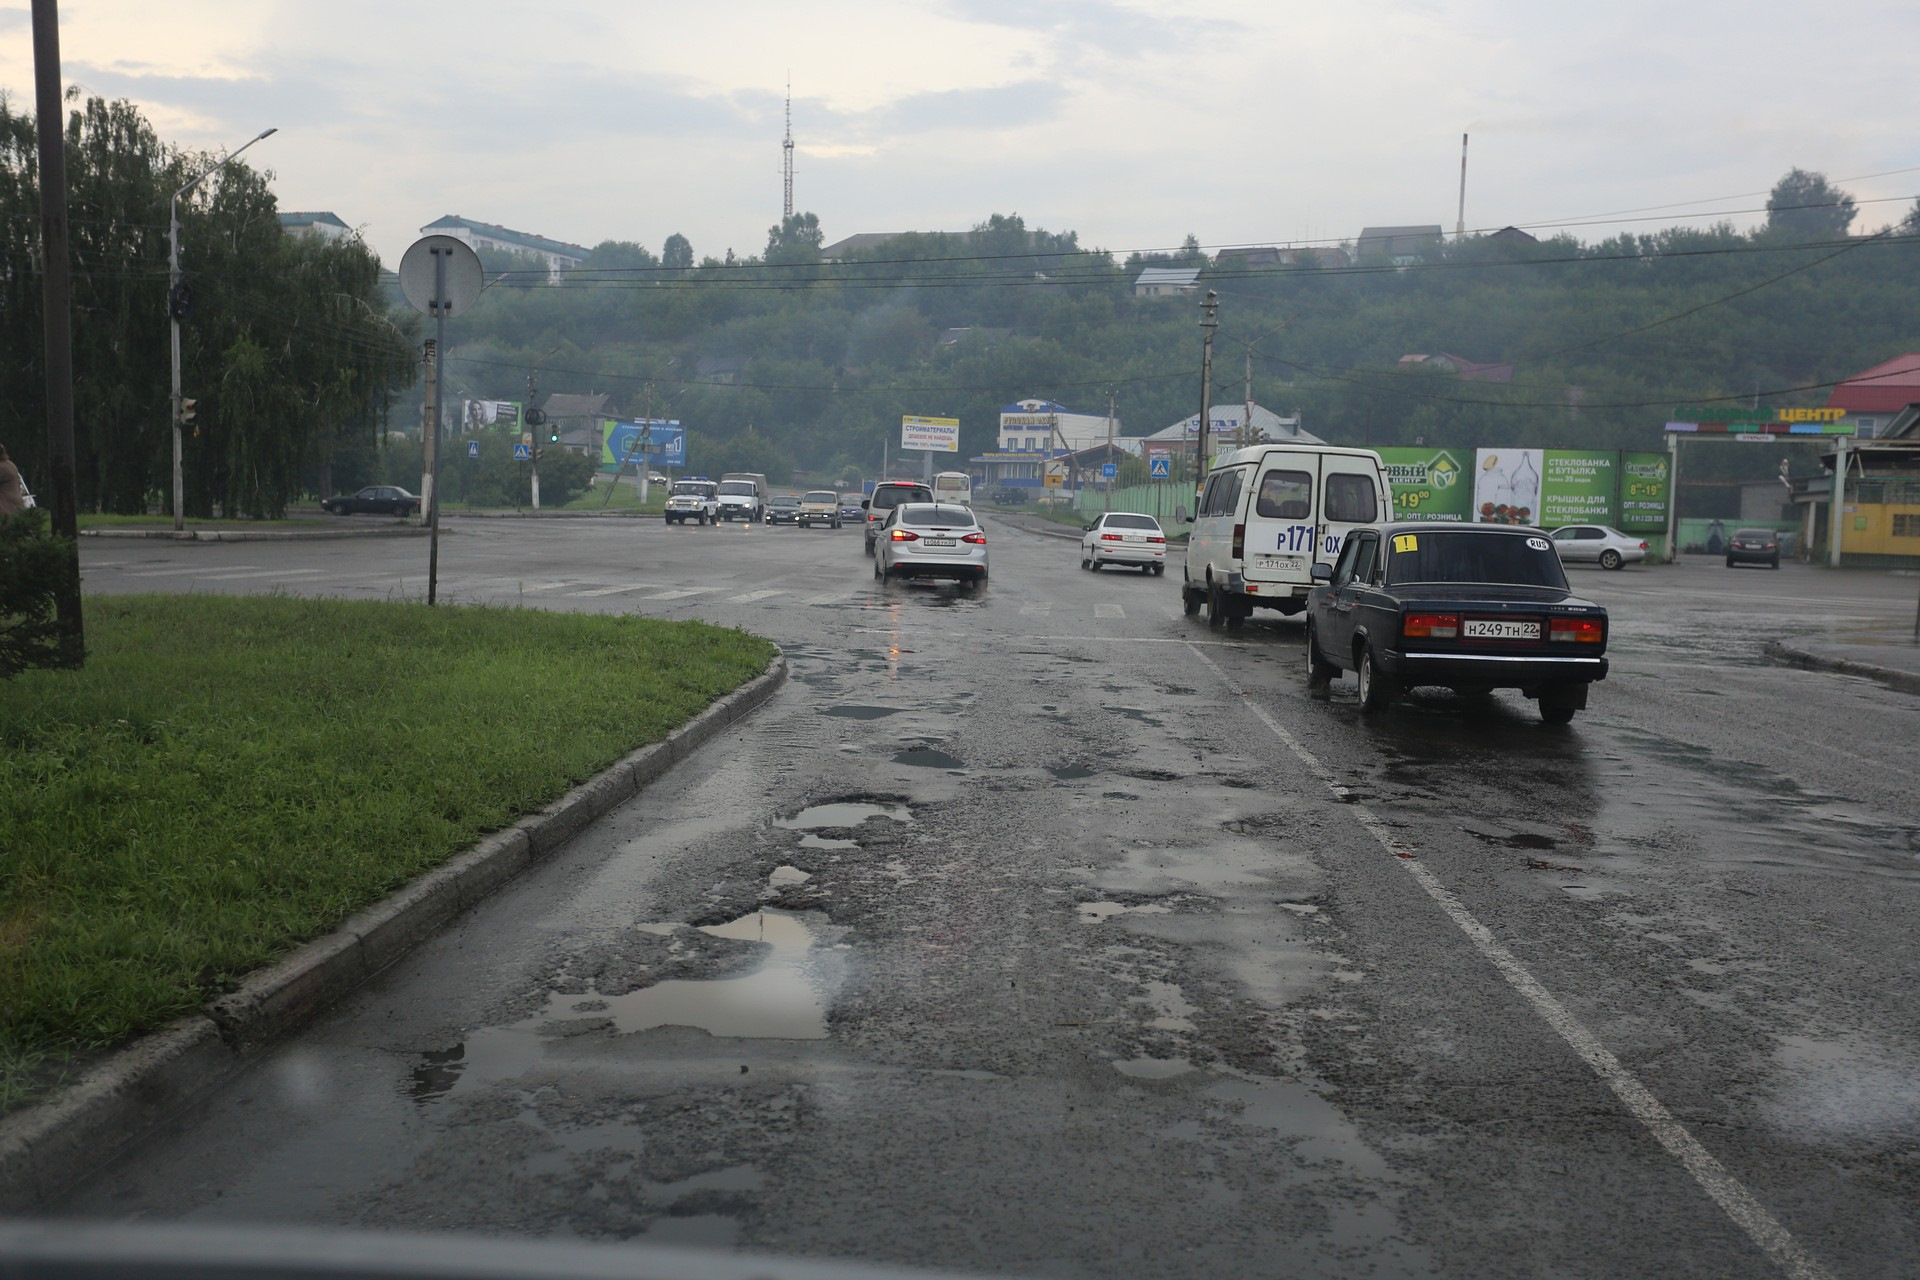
x: 47, y: 1149
x: 1904, y: 681
x: 258, y: 535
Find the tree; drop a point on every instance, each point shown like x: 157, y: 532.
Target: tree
x: 677, y: 253
x: 1804, y: 206
x: 1910, y: 225
x: 796, y: 240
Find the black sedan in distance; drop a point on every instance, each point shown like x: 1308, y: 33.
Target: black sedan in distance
x: 375, y: 499
x: 1470, y: 607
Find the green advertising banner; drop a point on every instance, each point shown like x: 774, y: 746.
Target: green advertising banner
x: 1428, y: 484
x: 1576, y: 488
x: 1645, y: 490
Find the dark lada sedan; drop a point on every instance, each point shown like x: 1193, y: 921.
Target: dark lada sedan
x: 376, y: 499
x: 1470, y: 607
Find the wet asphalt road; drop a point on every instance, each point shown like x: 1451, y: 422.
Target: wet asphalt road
x: 1045, y: 931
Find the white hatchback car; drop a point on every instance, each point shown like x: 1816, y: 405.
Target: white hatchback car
x: 931, y: 540
x: 1125, y: 537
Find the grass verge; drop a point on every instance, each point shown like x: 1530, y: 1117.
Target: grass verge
x: 230, y: 776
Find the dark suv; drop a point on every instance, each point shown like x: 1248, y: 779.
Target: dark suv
x: 887, y: 495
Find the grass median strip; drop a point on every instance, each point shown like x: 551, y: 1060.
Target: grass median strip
x: 230, y: 776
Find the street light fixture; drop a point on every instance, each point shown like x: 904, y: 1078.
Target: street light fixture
x: 177, y: 303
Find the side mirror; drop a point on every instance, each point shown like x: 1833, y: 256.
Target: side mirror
x: 1322, y: 572
x: 864, y: 504
x: 1180, y: 516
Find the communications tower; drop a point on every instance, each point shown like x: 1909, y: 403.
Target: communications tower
x: 786, y: 148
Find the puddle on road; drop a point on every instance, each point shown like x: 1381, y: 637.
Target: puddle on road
x: 783, y: 998
x: 1138, y: 713
x: 780, y: 1000
x: 1153, y: 1068
x: 811, y: 841
x: 861, y: 713
x: 842, y: 815
x: 1321, y: 1135
x: 927, y: 758
x: 1100, y: 912
x: 1069, y: 772
x: 785, y: 875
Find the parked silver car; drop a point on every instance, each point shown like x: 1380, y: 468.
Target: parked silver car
x: 1597, y: 544
x: 931, y: 540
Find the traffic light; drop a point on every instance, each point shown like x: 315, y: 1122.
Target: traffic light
x: 189, y: 410
x: 553, y: 434
x: 180, y: 301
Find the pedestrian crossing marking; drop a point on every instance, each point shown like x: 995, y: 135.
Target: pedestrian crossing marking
x: 1108, y: 611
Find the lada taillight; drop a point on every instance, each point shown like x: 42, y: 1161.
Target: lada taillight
x: 1152, y: 539
x: 1111, y: 537
x: 1431, y: 626
x: 1576, y: 630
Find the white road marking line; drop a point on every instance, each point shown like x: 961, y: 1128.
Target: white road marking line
x: 1104, y: 640
x: 261, y: 573
x: 680, y: 595
x: 1036, y: 609
x: 174, y: 573
x: 1108, y: 611
x: 545, y: 586
x: 612, y: 591
x: 751, y: 596
x: 830, y: 597
x: 1727, y: 1191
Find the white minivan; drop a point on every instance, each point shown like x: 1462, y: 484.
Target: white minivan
x: 1266, y: 515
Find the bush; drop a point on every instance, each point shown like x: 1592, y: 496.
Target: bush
x: 35, y: 569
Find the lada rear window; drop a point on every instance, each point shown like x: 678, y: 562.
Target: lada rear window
x: 1518, y: 560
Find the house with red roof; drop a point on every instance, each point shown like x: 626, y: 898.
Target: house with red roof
x: 1881, y: 483
x: 1873, y: 399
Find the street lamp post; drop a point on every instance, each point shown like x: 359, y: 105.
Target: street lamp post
x: 176, y: 308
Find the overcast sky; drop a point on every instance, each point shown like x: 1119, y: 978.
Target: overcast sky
x: 1134, y: 124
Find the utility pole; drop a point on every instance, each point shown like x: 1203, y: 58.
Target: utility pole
x: 646, y: 447
x: 1112, y: 393
x: 533, y: 451
x: 56, y: 302
x: 1246, y: 420
x: 429, y: 427
x: 1208, y: 323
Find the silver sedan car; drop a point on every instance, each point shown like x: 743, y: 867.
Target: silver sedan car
x: 1124, y: 537
x: 1597, y: 544
x: 931, y: 540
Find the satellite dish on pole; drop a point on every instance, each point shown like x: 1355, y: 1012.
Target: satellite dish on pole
x: 462, y: 281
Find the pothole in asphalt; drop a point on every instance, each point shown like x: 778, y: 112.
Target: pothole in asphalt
x: 785, y: 875
x: 843, y: 814
x: 1068, y: 772
x: 811, y: 841
x: 861, y: 713
x: 927, y: 758
x: 1153, y: 1068
x: 1101, y: 912
x: 1138, y: 713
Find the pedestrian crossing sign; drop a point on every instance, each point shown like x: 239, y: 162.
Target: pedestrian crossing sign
x: 1160, y: 468
x: 522, y: 452
x: 473, y: 448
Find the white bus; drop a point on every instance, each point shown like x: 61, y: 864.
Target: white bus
x: 953, y: 486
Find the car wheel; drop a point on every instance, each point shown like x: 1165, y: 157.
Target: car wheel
x: 1774, y: 563
x: 1216, y: 610
x: 869, y: 546
x: 1094, y: 564
x: 1374, y: 692
x: 1610, y: 559
x: 1320, y: 672
x: 1189, y: 599
x: 1556, y: 710
x: 877, y: 573
x: 1729, y: 562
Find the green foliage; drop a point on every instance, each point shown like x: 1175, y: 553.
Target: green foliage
x: 35, y: 569
x: 205, y: 795
x: 1804, y: 207
x: 287, y: 348
x: 748, y: 451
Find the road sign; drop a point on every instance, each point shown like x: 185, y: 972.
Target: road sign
x: 473, y: 448
x: 522, y: 452
x: 1160, y: 468
x: 460, y: 282
x: 526, y: 437
x: 1053, y: 480
x: 1109, y: 470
